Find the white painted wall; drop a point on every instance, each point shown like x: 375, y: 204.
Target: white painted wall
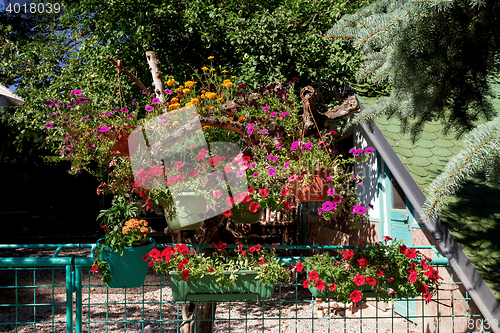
x: 367, y: 192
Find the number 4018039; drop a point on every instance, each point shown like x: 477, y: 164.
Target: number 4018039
x: 33, y: 8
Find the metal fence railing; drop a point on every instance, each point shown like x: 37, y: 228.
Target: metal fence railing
x: 57, y: 293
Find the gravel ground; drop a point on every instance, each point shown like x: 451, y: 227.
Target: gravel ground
x: 151, y: 308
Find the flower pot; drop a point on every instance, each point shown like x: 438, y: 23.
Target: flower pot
x: 120, y: 147
x: 241, y: 214
x: 316, y: 190
x: 190, y: 209
x: 128, y: 270
x: 246, y: 287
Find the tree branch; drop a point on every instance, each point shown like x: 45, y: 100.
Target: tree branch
x: 154, y: 67
x: 126, y: 71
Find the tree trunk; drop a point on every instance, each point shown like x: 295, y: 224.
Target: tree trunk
x: 154, y: 66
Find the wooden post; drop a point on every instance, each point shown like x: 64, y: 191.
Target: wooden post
x: 154, y: 67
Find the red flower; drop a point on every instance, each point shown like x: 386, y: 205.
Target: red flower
x: 211, y: 270
x: 363, y: 262
x: 264, y: 192
x: 247, y: 199
x: 95, y: 270
x: 387, y: 238
x: 185, y: 274
x: 371, y: 281
x: 227, y: 213
x: 320, y: 285
x: 151, y: 263
x: 246, y: 158
x: 306, y: 284
x: 286, y: 204
x: 359, y: 280
x: 166, y: 253
x: 423, y: 289
x: 410, y: 253
x: 213, y: 245
x: 313, y: 275
x: 413, y: 277
x: 229, y: 201
x: 250, y: 190
x: 300, y: 266
x: 257, y: 247
x: 181, y: 266
x: 183, y: 249
x: 221, y: 246
x: 144, y: 257
x: 356, y: 296
x: 427, y: 297
x: 252, y: 249
x: 254, y: 207
x: 380, y: 273
x: 333, y: 286
x: 262, y: 261
x: 402, y: 249
x: 348, y: 254
x: 285, y: 192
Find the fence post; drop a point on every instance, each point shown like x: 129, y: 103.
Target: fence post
x: 69, y: 298
x: 78, y: 298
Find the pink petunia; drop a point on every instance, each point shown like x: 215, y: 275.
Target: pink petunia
x: 279, y: 144
x: 273, y: 114
x: 331, y: 191
x: 287, y: 164
x: 272, y: 172
x: 217, y: 194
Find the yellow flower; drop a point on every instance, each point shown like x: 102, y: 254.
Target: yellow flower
x: 170, y: 82
x: 231, y: 118
x: 175, y: 123
x: 190, y: 84
x: 174, y: 106
x: 224, y: 71
x: 210, y: 95
x: 186, y: 91
x: 211, y: 57
x: 212, y: 69
x: 241, y: 118
x: 219, y: 100
x: 174, y: 100
x: 188, y: 104
x: 206, y: 127
x: 202, y: 96
x: 204, y: 68
x: 178, y: 90
x: 228, y: 83
x: 232, y: 77
x: 194, y: 100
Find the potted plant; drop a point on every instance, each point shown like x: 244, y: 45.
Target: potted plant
x: 118, y: 256
x: 242, y: 273
x: 387, y: 271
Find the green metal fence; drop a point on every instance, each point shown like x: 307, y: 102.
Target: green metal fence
x: 58, y: 293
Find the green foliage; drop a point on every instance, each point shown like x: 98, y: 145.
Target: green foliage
x: 261, y: 42
x: 437, y: 55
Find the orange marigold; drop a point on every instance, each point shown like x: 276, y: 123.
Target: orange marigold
x: 170, y: 82
x: 210, y: 95
x: 241, y: 118
x: 186, y: 91
x: 190, y: 84
x: 174, y: 100
x: 174, y: 106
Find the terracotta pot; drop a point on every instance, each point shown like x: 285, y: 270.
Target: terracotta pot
x: 316, y: 190
x: 120, y: 148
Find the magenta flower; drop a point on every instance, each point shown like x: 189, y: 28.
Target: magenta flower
x: 155, y: 100
x: 251, y: 165
x: 108, y: 114
x: 76, y: 92
x: 83, y: 100
x: 149, y: 108
x: 307, y: 146
x: 144, y: 91
x: 295, y: 145
x: 240, y: 173
x: 331, y: 191
x: 270, y: 157
x: 337, y: 199
x: 292, y: 178
x: 49, y: 125
x: 265, y: 108
x: 264, y: 131
x: 275, y: 158
x: 71, y: 104
x: 328, y: 206
x: 133, y: 101
x: 287, y: 164
x: 250, y: 128
x: 273, y: 114
x: 284, y: 114
x: 320, y: 211
x: 360, y: 181
x: 272, y: 172
x: 359, y: 209
x: 255, y: 174
x: 279, y: 144
x: 168, y: 91
x: 124, y: 110
x: 104, y: 129
x: 369, y: 150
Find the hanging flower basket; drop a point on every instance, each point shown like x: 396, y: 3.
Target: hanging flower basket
x: 246, y: 287
x: 189, y: 207
x: 242, y: 214
x: 316, y: 190
x: 128, y: 270
x: 120, y: 147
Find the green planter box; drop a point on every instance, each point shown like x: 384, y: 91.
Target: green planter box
x: 246, y: 287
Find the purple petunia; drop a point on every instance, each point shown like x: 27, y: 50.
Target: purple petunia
x: 295, y: 145
x: 369, y: 150
x: 278, y: 144
x: 124, y: 110
x: 331, y: 191
x: 76, y: 92
x: 71, y: 104
x: 168, y: 91
x: 359, y: 209
x: 144, y: 91
x: 307, y: 146
x: 272, y: 172
x: 284, y: 114
x: 337, y: 199
x: 256, y: 174
x: 108, y: 114
x: 149, y: 108
x: 133, y: 101
x: 328, y: 206
x: 273, y: 114
x: 155, y: 100
x: 49, y: 125
x: 250, y: 128
x: 82, y: 100
x: 265, y: 108
x: 287, y: 164
x: 264, y: 131
x: 104, y: 129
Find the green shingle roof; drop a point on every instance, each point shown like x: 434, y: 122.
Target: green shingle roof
x: 473, y: 214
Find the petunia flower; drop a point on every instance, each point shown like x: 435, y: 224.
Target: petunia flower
x: 168, y: 91
x: 255, y: 174
x: 272, y: 172
x: 265, y: 108
x: 155, y: 100
x: 104, y: 129
x: 279, y: 144
x: 307, y: 146
x: 295, y: 145
x: 331, y: 191
x: 149, y: 108
x: 76, y: 92
x: 273, y: 114
x: 287, y: 164
x: 264, y: 131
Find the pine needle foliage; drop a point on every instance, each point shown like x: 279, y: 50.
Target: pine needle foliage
x: 437, y: 55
